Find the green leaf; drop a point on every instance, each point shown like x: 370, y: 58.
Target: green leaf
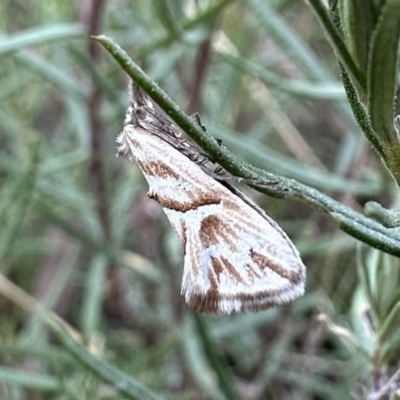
x: 14, y: 205
x: 93, y: 296
x: 360, y: 113
x: 40, y: 382
x: 297, y: 87
x: 358, y: 21
x: 382, y: 72
x: 39, y: 35
x: 125, y: 384
x: 220, y: 368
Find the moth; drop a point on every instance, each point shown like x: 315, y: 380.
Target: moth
x: 236, y: 258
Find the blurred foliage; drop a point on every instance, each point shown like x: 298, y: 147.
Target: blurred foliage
x: 90, y: 270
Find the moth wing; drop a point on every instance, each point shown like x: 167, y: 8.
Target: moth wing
x: 236, y: 257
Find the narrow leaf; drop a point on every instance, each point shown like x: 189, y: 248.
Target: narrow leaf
x: 125, y: 384
x: 358, y: 21
x: 382, y: 71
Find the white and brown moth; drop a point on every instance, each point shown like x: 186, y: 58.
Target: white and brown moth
x: 236, y: 258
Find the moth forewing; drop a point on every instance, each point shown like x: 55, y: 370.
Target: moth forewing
x: 236, y: 257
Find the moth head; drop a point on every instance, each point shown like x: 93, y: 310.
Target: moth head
x: 139, y: 98
x: 140, y: 112
x: 135, y: 113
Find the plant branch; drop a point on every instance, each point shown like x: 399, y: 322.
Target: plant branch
x: 350, y: 221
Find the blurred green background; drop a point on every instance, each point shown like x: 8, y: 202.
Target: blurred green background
x: 79, y: 237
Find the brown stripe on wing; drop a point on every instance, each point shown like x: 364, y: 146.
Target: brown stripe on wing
x: 213, y: 230
x: 184, y: 206
x: 265, y: 262
x: 217, y: 266
x: 239, y: 210
x: 206, y: 302
x: 209, y: 302
x: 232, y: 271
x: 253, y: 273
x: 181, y: 231
x: 221, y: 264
x: 215, y: 302
x: 157, y: 168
